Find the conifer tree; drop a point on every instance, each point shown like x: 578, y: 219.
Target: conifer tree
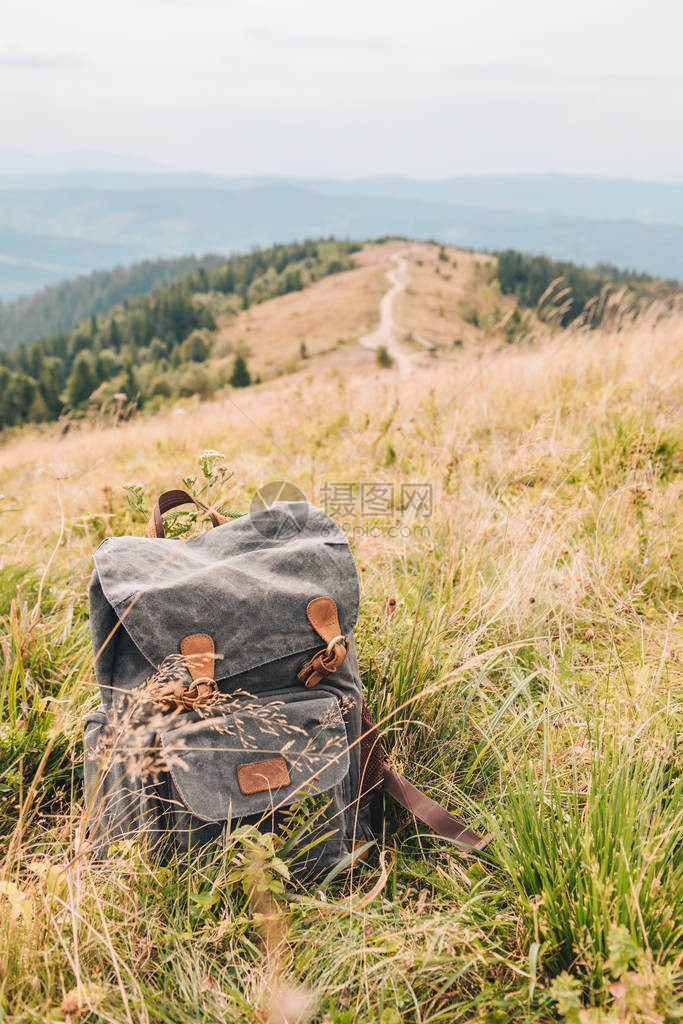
x: 240, y: 377
x: 82, y: 380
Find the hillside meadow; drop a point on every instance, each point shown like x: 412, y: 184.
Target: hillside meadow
x: 233, y: 321
x: 520, y: 644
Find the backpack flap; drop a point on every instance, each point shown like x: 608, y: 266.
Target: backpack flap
x: 246, y: 584
x: 260, y: 758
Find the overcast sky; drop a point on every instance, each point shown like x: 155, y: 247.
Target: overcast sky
x: 356, y: 87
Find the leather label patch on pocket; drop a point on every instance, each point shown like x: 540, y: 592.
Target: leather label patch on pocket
x: 260, y: 776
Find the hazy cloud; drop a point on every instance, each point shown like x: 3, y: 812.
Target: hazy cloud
x: 40, y: 61
x: 530, y: 74
x: 317, y: 43
x: 435, y: 88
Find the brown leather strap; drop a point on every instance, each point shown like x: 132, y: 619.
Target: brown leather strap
x: 323, y: 616
x: 171, y: 499
x: 432, y: 814
x: 199, y: 653
x: 322, y: 663
x: 176, y: 696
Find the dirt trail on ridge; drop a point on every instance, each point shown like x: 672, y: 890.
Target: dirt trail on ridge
x: 384, y: 334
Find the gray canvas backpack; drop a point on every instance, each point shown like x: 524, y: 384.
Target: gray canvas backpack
x: 230, y: 691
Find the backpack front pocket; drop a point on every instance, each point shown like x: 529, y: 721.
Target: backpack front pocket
x: 256, y: 762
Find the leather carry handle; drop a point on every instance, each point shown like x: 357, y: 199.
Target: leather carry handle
x: 432, y: 814
x: 171, y: 499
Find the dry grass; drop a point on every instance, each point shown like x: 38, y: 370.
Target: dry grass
x: 536, y: 637
x: 532, y: 408
x: 334, y: 311
x: 444, y: 297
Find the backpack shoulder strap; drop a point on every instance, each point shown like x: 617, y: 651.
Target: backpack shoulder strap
x: 378, y: 775
x: 430, y: 812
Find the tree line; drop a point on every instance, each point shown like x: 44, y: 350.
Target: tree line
x: 578, y: 290
x: 151, y: 348
x: 58, y: 307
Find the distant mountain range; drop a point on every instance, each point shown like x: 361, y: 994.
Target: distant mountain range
x: 59, y: 224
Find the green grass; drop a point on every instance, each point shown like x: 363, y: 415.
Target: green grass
x: 586, y: 849
x: 527, y: 673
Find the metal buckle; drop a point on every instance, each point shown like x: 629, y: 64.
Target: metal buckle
x: 204, y: 679
x: 336, y: 640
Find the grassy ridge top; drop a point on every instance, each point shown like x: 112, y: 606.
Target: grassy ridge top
x: 529, y: 678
